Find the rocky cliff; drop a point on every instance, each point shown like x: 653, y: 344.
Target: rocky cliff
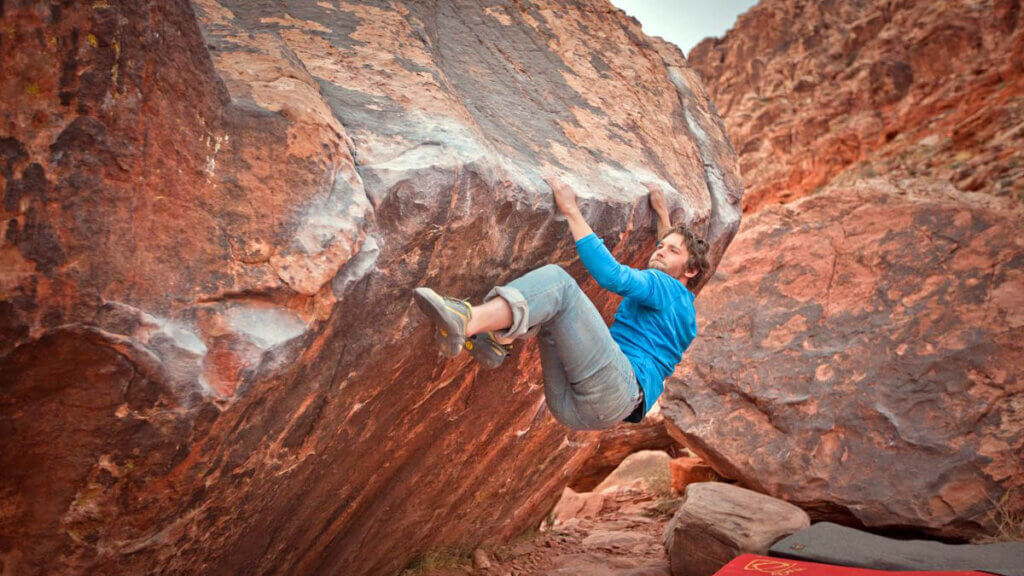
x: 213, y: 214
x: 811, y: 90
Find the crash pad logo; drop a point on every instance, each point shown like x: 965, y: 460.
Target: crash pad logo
x: 773, y: 567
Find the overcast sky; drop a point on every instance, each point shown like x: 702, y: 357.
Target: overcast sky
x: 685, y: 22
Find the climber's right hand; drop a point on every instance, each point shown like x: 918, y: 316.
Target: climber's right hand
x: 565, y: 196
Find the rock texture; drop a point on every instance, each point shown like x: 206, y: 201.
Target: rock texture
x: 615, y: 531
x: 717, y: 522
x: 624, y: 539
x: 213, y: 214
x: 574, y: 504
x: 860, y: 357
x: 645, y: 466
x: 686, y: 471
x: 811, y: 89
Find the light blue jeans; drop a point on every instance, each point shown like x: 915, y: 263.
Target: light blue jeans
x: 589, y: 383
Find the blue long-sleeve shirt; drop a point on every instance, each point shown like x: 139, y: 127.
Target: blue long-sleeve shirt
x: 655, y: 322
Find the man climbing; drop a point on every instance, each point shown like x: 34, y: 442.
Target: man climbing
x: 594, y: 376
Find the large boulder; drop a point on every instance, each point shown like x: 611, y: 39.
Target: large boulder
x: 810, y: 90
x: 213, y: 215
x: 860, y: 356
x: 718, y: 522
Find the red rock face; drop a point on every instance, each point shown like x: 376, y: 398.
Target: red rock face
x: 213, y: 217
x: 860, y: 357
x: 812, y: 90
x: 686, y: 471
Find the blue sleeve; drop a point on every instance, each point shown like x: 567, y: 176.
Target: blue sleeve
x: 650, y: 288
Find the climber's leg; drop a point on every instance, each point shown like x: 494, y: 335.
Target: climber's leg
x: 558, y: 392
x: 492, y: 315
x: 588, y: 381
x: 599, y: 401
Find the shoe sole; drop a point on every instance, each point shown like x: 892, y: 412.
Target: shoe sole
x: 487, y: 358
x: 431, y: 303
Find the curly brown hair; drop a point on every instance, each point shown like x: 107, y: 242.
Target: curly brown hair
x: 697, y: 249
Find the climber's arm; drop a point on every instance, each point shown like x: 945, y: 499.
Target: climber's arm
x: 610, y: 275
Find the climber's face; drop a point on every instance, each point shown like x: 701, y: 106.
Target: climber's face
x: 671, y: 257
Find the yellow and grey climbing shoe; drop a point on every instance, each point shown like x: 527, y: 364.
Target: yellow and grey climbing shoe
x: 486, y: 350
x: 449, y: 315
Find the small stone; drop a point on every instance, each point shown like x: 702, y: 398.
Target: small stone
x: 480, y: 559
x: 611, y: 539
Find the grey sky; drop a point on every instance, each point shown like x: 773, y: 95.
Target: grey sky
x: 685, y: 22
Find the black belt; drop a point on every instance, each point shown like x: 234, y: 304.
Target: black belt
x: 638, y: 413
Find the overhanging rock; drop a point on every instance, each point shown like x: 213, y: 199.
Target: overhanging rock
x: 213, y: 215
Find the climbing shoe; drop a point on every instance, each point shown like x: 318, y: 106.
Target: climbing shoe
x: 449, y: 315
x: 486, y: 350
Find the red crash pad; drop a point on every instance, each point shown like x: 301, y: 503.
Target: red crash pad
x: 754, y: 565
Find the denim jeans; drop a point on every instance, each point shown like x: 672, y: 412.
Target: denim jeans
x: 589, y: 383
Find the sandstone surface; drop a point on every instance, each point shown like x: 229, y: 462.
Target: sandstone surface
x: 860, y: 357
x: 624, y: 539
x: 213, y: 215
x: 717, y: 522
x: 811, y: 90
x: 574, y: 504
x: 647, y: 467
x: 685, y: 471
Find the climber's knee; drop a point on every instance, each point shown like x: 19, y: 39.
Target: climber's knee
x: 557, y: 274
